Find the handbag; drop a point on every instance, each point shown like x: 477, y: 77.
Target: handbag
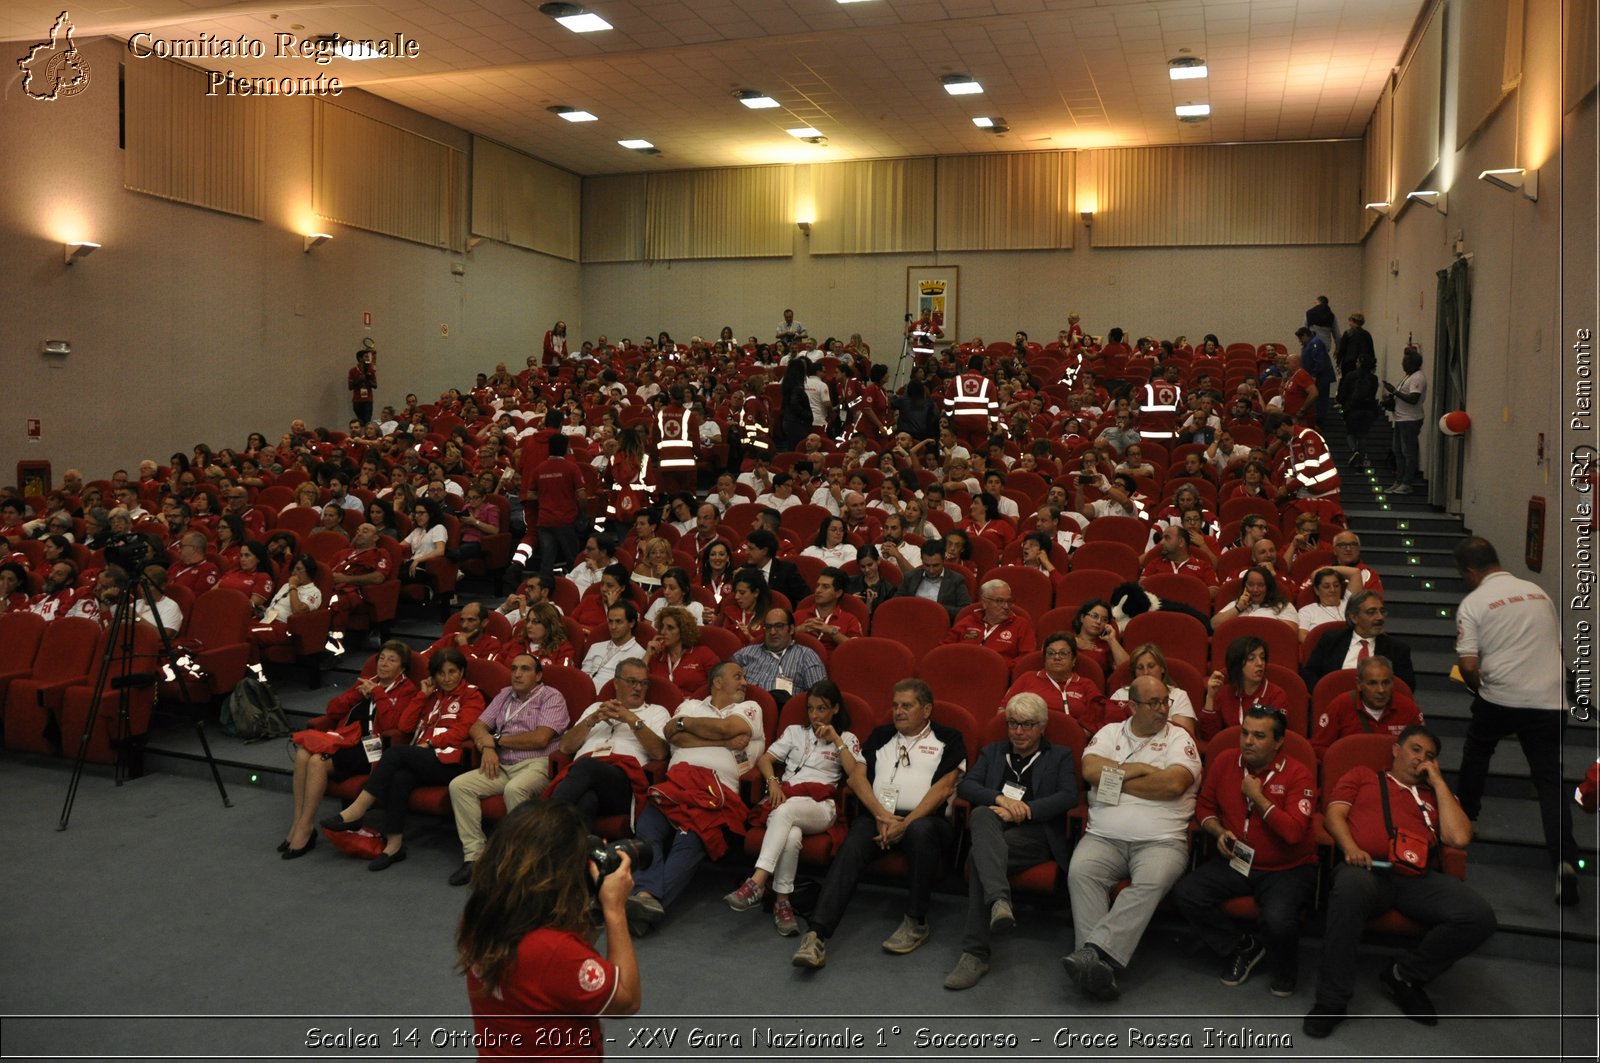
x: 364, y: 844
x: 1410, y: 852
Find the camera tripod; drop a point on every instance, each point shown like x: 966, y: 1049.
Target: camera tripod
x: 123, y: 656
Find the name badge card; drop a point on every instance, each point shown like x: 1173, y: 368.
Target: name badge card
x: 373, y: 744
x: 1243, y: 856
x: 1014, y: 791
x: 887, y: 796
x: 1109, y: 792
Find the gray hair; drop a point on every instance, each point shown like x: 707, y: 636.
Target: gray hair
x: 1352, y: 608
x: 1029, y: 707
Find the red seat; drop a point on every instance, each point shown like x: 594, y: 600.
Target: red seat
x: 575, y: 686
x: 1283, y: 640
x: 869, y: 668
x: 1031, y: 589
x: 1181, y: 637
x: 108, y: 725
x: 1308, y: 561
x: 916, y: 623
x: 1240, y: 506
x: 19, y: 643
x: 720, y: 641
x: 1061, y: 730
x: 1180, y: 588
x: 1129, y: 531
x: 1081, y: 585
x: 661, y: 693
x: 1111, y: 556
x: 218, y: 637
x: 65, y: 658
x: 1299, y: 698
x: 974, y: 677
x: 497, y: 547
x: 325, y: 546
x: 804, y: 520
x: 491, y: 677
x: 301, y: 520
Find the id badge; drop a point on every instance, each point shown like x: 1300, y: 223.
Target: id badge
x: 1013, y: 791
x: 887, y: 796
x: 1109, y: 792
x: 1243, y: 856
x: 373, y: 744
x: 784, y: 684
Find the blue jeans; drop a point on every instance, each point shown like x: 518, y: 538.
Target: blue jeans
x: 1407, y: 447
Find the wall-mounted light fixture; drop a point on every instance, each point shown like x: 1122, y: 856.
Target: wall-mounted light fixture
x: 1381, y: 207
x: 1087, y: 217
x: 1512, y: 178
x: 1431, y: 197
x: 316, y: 240
x: 805, y: 227
x: 81, y: 249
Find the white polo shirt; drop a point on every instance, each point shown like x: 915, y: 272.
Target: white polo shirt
x: 725, y: 762
x: 1139, y: 819
x: 617, y: 738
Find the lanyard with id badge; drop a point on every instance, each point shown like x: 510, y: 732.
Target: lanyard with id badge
x: 1244, y: 854
x: 889, y: 793
x: 1109, y: 792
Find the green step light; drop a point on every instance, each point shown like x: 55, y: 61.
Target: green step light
x: 1427, y: 584
x: 1413, y: 561
x: 1386, y: 506
x: 1444, y: 612
x: 1404, y: 526
x: 254, y: 779
x: 1406, y: 542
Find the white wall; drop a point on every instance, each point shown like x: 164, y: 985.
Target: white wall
x: 1253, y: 294
x: 1518, y: 375
x: 181, y: 302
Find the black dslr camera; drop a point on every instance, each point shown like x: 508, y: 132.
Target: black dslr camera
x: 607, y: 857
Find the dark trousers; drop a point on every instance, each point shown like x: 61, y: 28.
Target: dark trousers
x: 559, y: 544
x: 401, y: 770
x: 1458, y: 921
x: 998, y: 850
x: 1539, y: 731
x: 596, y: 789
x: 1407, y: 451
x: 926, y: 844
x: 1281, y: 896
x: 363, y: 411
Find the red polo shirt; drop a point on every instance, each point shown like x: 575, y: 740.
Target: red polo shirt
x: 1282, y: 840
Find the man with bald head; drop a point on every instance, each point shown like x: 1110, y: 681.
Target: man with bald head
x: 1143, y: 775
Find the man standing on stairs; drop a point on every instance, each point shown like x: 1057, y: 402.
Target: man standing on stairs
x: 1508, y: 645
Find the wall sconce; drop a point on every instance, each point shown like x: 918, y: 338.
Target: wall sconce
x: 1512, y: 178
x: 316, y: 240
x: 1380, y: 208
x: 805, y: 227
x: 473, y: 242
x: 1430, y: 197
x: 1087, y: 217
x: 74, y: 251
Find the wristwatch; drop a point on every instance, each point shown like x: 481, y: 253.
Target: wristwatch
x: 683, y: 725
x: 636, y: 724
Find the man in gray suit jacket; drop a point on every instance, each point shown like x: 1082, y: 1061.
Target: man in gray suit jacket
x: 936, y: 582
x: 1021, y: 790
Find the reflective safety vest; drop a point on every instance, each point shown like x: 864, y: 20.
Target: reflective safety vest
x: 1159, y: 413
x: 1310, y: 472
x: 675, y: 440
x: 970, y: 399
x: 754, y: 430
x: 850, y: 400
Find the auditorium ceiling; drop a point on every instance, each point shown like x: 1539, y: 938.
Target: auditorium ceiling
x: 867, y: 76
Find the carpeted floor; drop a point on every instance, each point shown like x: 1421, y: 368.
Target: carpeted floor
x: 160, y: 919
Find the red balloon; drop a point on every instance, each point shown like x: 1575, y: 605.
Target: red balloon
x: 1455, y: 423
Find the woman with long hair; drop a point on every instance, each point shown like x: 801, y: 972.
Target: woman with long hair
x: 543, y: 635
x: 868, y: 583
x: 1147, y: 659
x: 252, y: 575
x: 830, y: 545
x: 1244, y: 683
x: 794, y: 421
x: 802, y: 772
x: 524, y: 941
x: 676, y: 592
x: 675, y: 654
x: 1096, y: 637
x: 716, y: 571
x: 1259, y: 595
x: 745, y: 610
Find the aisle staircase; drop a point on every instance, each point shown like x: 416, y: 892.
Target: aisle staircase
x: 1408, y: 541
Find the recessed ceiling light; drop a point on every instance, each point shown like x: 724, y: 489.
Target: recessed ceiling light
x: 574, y: 17
x: 636, y: 145
x: 983, y: 122
x: 1186, y: 67
x: 852, y: 1
x: 992, y: 124
x: 756, y: 101
x: 960, y: 85
x: 804, y: 132
x: 1192, y: 110
x: 572, y: 114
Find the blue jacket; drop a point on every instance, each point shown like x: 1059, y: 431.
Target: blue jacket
x: 1053, y: 793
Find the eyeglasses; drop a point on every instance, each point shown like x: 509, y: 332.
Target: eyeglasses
x: 633, y: 682
x: 1058, y: 655
x: 997, y: 601
x: 776, y: 627
x: 1346, y: 546
x: 1023, y: 725
x: 1158, y: 702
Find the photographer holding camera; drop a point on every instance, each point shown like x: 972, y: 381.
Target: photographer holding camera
x: 525, y: 941
x: 363, y: 380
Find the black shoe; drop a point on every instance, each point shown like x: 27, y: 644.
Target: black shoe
x: 295, y: 854
x: 1567, y: 895
x: 1243, y: 961
x: 1284, y: 985
x: 383, y: 860
x: 461, y: 875
x: 1410, y: 996
x: 1321, y: 1020
x: 337, y: 823
x: 283, y: 846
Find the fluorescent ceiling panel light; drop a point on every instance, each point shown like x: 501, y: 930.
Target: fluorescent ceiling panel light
x: 1185, y: 73
x: 588, y: 22
x: 1192, y: 110
x: 983, y: 122
x: 636, y: 145
x: 757, y: 102
x: 803, y: 132
x: 963, y: 88
x: 577, y: 116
